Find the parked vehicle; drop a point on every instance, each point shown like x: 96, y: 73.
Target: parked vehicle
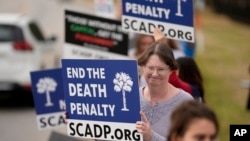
x: 23, y: 48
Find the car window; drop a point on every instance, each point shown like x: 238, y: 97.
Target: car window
x: 10, y: 33
x: 36, y: 31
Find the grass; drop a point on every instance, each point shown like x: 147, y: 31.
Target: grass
x: 224, y: 64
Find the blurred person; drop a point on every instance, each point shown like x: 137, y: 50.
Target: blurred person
x: 175, y: 80
x: 158, y: 98
x: 189, y: 72
x: 194, y: 87
x: 193, y: 121
x: 142, y: 42
x: 188, y: 77
x: 173, y: 44
x: 199, y: 8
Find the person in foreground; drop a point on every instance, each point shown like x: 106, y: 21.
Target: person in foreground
x: 158, y: 98
x: 193, y: 121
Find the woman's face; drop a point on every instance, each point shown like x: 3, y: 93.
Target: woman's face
x: 155, y: 71
x: 145, y: 42
x: 200, y: 130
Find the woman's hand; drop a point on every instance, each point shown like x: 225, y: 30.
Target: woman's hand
x: 144, y: 128
x: 158, y: 35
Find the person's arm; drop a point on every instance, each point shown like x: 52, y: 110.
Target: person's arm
x: 177, y: 82
x: 159, y: 36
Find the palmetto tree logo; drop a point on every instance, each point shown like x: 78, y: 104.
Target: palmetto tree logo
x: 123, y: 83
x: 46, y: 85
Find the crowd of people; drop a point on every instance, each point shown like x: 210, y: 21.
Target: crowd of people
x: 158, y: 96
x: 169, y: 82
x: 172, y: 95
x: 186, y: 76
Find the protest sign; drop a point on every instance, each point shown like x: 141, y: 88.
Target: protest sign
x: 102, y: 98
x: 173, y: 17
x: 47, y: 90
x: 92, y: 37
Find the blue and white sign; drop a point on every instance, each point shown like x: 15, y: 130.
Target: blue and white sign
x: 173, y: 17
x: 102, y: 98
x: 47, y: 90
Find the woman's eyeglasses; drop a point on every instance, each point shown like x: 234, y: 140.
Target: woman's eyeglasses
x: 159, y: 70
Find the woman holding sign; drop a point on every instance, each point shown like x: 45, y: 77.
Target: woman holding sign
x: 158, y: 98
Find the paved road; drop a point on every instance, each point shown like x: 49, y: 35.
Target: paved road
x: 18, y: 123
